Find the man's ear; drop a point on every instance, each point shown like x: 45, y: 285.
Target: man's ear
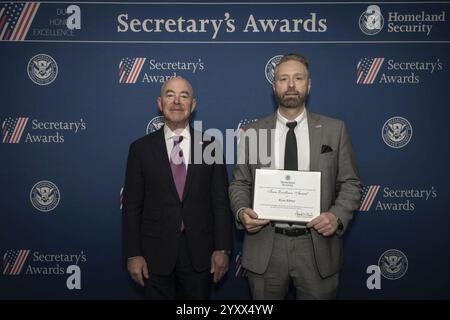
x: 194, y: 104
x: 158, y: 101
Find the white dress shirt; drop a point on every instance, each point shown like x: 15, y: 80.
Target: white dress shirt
x: 302, y: 136
x: 185, y: 144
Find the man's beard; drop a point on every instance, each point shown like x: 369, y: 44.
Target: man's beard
x: 291, y: 102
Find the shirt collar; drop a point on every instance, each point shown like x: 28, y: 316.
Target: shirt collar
x: 169, y: 134
x: 301, y: 117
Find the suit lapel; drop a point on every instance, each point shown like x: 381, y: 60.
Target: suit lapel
x: 315, y: 138
x: 163, y: 158
x: 269, y: 125
x: 191, y: 169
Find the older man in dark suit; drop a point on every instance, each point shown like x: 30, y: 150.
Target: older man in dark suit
x: 176, y: 215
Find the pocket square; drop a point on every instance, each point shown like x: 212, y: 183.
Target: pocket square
x: 326, y: 149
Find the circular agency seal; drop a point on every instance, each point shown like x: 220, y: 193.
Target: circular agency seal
x: 371, y: 21
x: 42, y: 69
x: 396, y: 132
x: 270, y: 67
x: 155, y: 124
x: 393, y: 264
x: 44, y: 196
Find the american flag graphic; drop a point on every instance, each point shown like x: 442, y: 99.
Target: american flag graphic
x: 367, y: 70
x: 368, y: 196
x: 129, y: 69
x: 12, y: 129
x: 16, y: 19
x: 240, y: 271
x: 244, y: 122
x: 13, y: 261
x: 241, y: 125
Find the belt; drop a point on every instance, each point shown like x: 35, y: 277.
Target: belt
x: 293, y: 232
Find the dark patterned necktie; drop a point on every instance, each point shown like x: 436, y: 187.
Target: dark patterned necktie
x: 290, y: 150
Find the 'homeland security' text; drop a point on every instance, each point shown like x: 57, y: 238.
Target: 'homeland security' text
x: 413, y: 23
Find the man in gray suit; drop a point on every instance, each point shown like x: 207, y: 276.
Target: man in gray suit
x: 274, y: 252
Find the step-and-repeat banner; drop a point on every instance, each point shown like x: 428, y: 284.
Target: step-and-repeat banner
x: 80, y: 82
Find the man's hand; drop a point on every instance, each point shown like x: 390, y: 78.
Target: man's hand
x: 250, y: 220
x: 137, y: 267
x: 326, y: 224
x: 219, y: 265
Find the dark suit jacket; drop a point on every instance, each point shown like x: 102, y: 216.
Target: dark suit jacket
x: 152, y: 210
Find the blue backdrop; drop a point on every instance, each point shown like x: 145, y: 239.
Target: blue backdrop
x: 80, y: 82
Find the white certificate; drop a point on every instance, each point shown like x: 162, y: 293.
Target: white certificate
x: 283, y: 195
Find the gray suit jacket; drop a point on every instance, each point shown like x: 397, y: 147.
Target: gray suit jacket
x: 340, y: 190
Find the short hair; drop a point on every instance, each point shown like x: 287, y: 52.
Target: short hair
x: 294, y: 57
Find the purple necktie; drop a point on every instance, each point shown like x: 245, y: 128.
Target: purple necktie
x: 177, y: 165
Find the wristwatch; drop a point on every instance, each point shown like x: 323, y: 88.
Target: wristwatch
x: 227, y: 252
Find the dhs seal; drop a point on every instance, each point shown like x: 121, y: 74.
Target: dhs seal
x: 44, y: 196
x: 396, y: 132
x: 42, y: 69
x: 393, y: 264
x: 371, y: 21
x: 155, y: 124
x: 270, y: 67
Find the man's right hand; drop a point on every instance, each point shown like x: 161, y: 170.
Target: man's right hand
x: 250, y: 221
x: 137, y: 267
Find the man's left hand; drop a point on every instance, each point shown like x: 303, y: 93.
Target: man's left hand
x: 219, y: 265
x: 326, y: 224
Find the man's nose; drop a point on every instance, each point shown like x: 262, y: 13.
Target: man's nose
x: 291, y: 83
x: 176, y: 99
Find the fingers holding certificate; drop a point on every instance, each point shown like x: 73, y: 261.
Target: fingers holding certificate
x: 250, y: 221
